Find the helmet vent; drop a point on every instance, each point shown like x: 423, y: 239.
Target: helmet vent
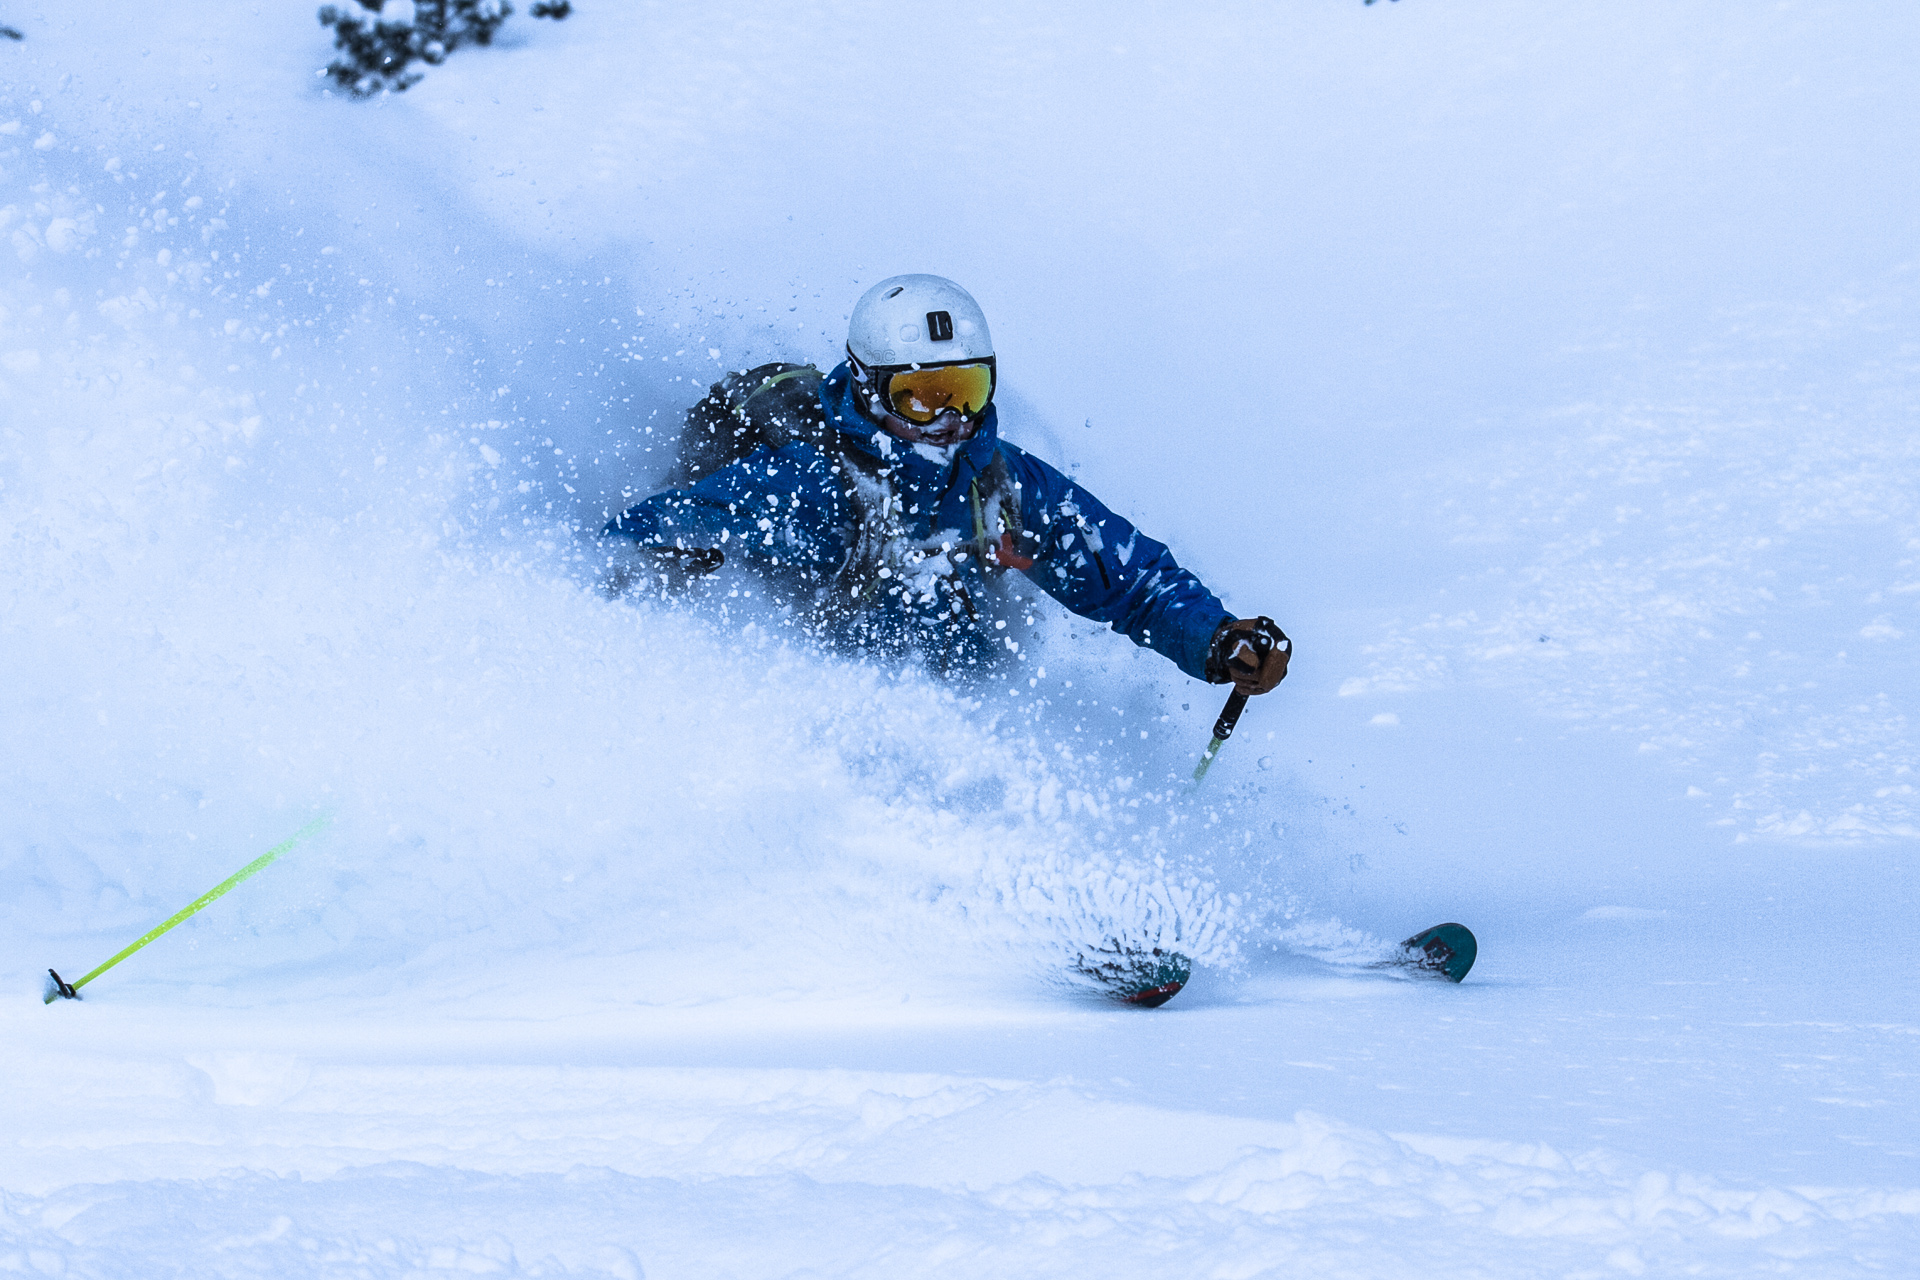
x: 896, y: 291
x: 939, y: 326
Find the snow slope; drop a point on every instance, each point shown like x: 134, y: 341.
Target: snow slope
x: 1548, y: 373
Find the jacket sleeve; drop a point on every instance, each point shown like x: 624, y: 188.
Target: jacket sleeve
x: 1101, y: 567
x: 779, y: 506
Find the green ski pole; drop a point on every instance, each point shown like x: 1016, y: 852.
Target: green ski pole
x: 60, y: 989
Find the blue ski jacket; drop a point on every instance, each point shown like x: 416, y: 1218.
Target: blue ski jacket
x: 788, y: 508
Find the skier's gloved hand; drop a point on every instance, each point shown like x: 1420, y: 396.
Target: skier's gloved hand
x: 1251, y: 653
x: 660, y: 569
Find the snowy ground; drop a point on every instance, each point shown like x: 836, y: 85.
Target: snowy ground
x: 1549, y: 372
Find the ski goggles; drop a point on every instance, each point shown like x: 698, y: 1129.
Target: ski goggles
x: 922, y: 393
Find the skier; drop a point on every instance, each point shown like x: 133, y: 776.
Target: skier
x: 880, y: 501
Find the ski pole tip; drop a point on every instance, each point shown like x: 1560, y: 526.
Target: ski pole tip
x: 58, y: 988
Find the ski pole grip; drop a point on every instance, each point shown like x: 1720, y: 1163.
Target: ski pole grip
x: 1262, y: 638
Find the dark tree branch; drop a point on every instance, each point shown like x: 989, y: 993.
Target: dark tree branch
x: 379, y: 56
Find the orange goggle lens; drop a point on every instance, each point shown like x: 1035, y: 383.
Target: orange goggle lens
x: 921, y: 395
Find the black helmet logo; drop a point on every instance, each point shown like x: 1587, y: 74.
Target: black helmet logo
x: 939, y: 326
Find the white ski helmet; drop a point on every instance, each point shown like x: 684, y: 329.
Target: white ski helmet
x: 917, y: 320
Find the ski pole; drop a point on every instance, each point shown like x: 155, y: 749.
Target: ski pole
x: 1222, y: 730
x: 61, y: 989
x: 1262, y: 640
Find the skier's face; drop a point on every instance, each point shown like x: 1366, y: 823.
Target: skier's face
x: 948, y: 428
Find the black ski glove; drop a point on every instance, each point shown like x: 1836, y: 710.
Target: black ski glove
x: 1251, y: 653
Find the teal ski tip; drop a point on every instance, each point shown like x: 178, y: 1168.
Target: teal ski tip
x: 1446, y: 951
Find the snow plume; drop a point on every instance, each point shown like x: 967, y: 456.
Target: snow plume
x: 257, y: 571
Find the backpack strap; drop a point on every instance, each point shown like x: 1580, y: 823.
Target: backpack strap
x: 769, y: 406
x: 774, y: 380
x: 995, y: 499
